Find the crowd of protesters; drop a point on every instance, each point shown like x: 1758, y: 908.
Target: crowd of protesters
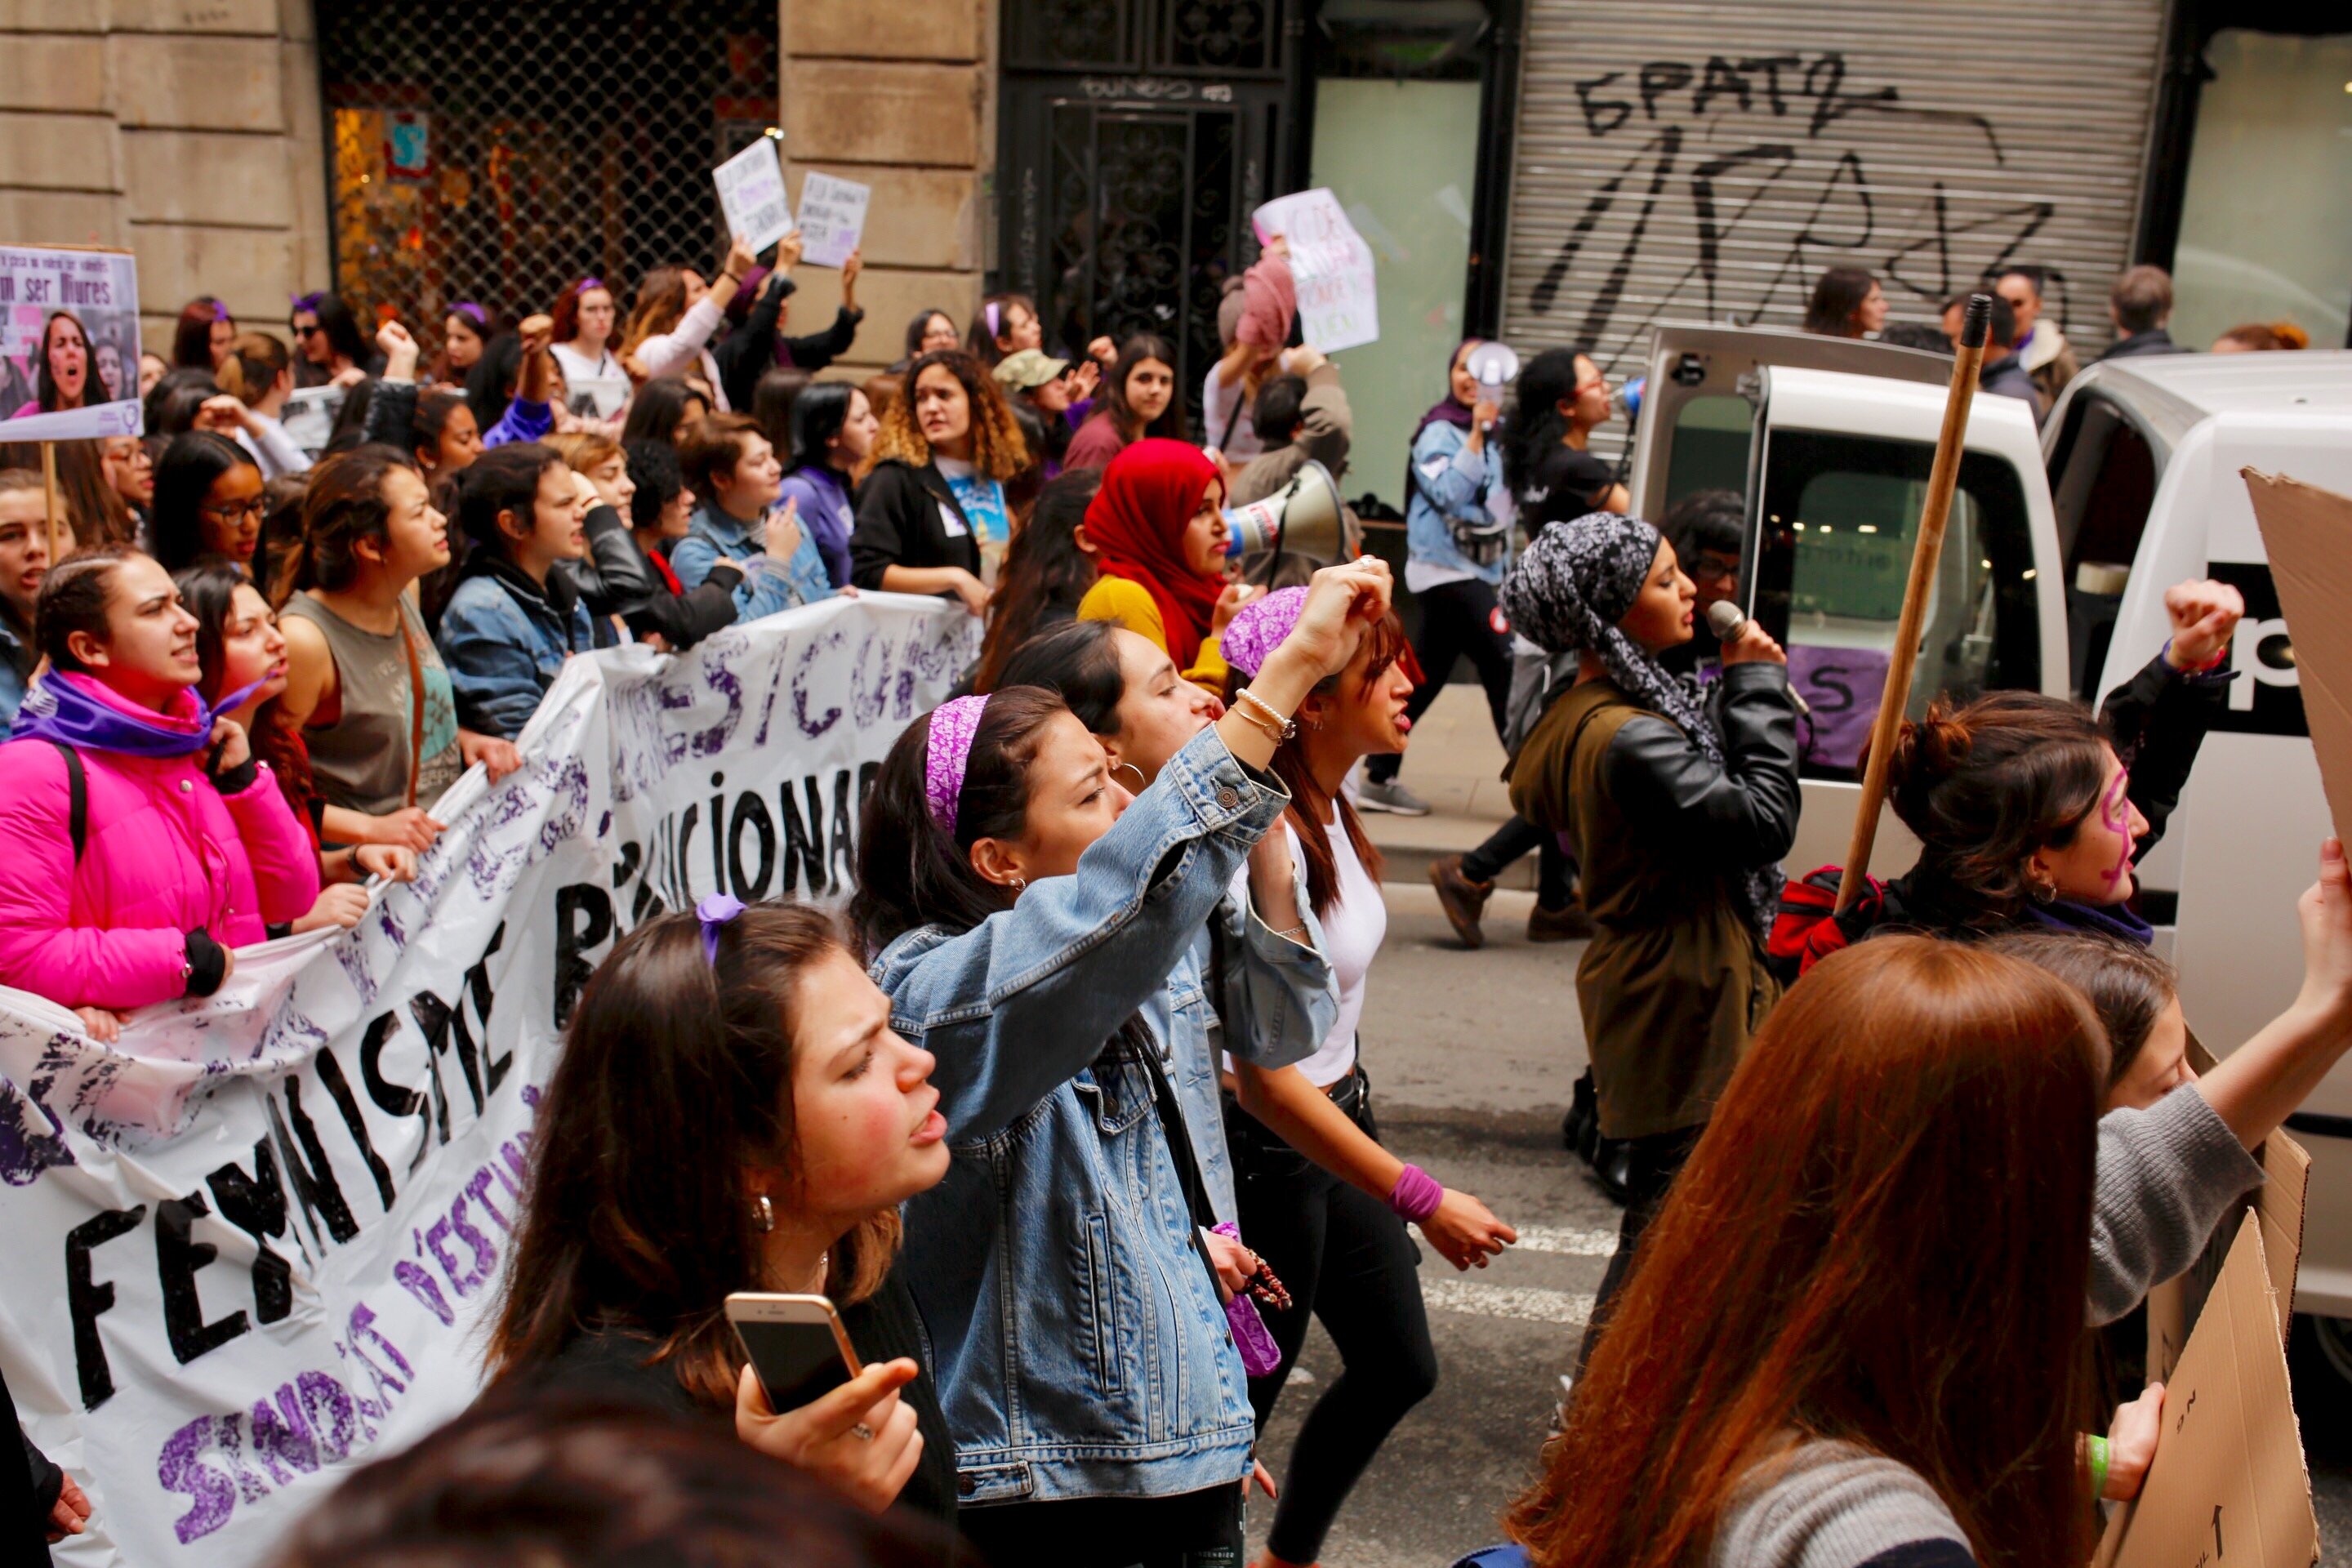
x: 1115, y: 907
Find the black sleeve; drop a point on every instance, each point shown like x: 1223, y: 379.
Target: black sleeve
x: 877, y: 542
x: 2156, y: 720
x: 1570, y: 481
x: 750, y: 348
x: 687, y: 618
x: 207, y: 964
x: 819, y: 350
x: 613, y: 576
x: 390, y: 414
x: 1742, y: 814
x: 48, y: 1479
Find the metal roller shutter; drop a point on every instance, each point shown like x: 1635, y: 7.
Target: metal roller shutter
x: 1708, y: 162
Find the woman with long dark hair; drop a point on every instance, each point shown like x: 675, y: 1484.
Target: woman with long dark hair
x: 61, y: 381
x: 208, y: 501
x: 936, y: 489
x: 1045, y: 577
x: 1068, y: 1001
x: 201, y: 337
x: 465, y: 333
x: 1139, y: 400
x: 585, y: 318
x: 333, y: 350
x: 833, y: 435
x: 1847, y: 302
x: 659, y: 408
x: 789, y: 1179
x: 1678, y: 810
x: 515, y: 614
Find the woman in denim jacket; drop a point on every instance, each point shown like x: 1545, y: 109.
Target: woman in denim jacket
x: 733, y: 467
x: 1040, y: 938
x: 516, y: 615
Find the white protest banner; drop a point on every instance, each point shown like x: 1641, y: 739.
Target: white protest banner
x: 256, y: 1243
x: 833, y: 218
x: 1338, y: 302
x: 752, y: 194
x: 68, y: 344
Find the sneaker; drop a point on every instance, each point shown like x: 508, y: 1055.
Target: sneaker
x: 1375, y: 795
x: 1463, y: 899
x: 1569, y: 924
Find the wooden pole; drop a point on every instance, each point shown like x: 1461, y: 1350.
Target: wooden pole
x: 49, y: 487
x: 1927, y: 551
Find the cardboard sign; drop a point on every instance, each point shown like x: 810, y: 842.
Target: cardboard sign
x: 2307, y: 533
x: 2228, y: 1488
x: 255, y: 1243
x: 77, y: 311
x: 752, y: 194
x: 833, y: 218
x: 309, y: 416
x: 1339, y: 299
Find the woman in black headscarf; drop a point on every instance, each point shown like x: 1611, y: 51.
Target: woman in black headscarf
x: 1678, y: 807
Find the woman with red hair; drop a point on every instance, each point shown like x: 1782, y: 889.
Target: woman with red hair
x: 1157, y: 530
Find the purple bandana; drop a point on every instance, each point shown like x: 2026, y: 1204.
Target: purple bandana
x: 308, y: 301
x: 714, y: 913
x: 78, y: 710
x: 953, y: 724
x: 472, y: 312
x: 1258, y: 627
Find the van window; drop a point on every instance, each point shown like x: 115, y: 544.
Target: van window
x: 1838, y: 517
x: 1712, y: 435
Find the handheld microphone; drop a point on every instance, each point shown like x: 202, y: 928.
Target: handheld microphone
x: 1724, y: 618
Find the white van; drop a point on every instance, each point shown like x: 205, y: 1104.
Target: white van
x: 2060, y: 546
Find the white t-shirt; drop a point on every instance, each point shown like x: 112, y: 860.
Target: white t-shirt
x: 578, y: 366
x: 1353, y: 929
x: 1221, y: 409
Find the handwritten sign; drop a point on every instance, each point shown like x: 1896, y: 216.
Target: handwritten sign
x: 752, y: 194
x: 1338, y: 301
x: 833, y: 218
x: 68, y: 344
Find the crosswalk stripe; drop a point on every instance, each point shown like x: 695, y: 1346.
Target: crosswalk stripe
x: 1523, y: 1302
x: 1567, y: 1243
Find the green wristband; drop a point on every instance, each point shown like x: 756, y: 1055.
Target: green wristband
x: 2098, y: 1447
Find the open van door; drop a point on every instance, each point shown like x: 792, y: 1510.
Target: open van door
x: 1832, y: 467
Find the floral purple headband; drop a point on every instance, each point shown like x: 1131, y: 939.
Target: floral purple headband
x: 1258, y: 627
x: 953, y: 724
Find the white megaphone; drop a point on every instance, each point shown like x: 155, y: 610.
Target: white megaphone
x: 1493, y: 366
x: 1305, y: 516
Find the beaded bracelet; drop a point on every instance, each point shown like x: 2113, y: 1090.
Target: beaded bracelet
x: 1273, y: 723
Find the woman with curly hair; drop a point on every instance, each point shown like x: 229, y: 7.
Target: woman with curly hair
x: 936, y: 495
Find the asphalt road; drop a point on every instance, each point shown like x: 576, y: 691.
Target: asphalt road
x: 1471, y: 1057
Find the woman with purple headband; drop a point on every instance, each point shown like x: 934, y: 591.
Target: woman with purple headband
x: 465, y: 333
x: 1039, y: 930
x: 330, y: 348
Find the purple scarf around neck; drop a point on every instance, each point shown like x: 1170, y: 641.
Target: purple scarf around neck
x: 2118, y: 920
x: 76, y: 710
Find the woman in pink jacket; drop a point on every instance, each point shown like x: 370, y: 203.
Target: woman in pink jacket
x: 145, y: 841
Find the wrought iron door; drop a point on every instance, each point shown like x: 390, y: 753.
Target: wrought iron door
x: 1137, y: 136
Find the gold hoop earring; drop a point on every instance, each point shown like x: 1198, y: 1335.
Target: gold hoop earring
x: 763, y: 1215
x: 1140, y: 782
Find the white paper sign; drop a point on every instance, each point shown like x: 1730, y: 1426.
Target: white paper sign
x: 833, y: 218
x: 74, y: 313
x: 1338, y: 301
x: 606, y: 394
x: 258, y: 1242
x: 309, y: 416
x: 752, y: 193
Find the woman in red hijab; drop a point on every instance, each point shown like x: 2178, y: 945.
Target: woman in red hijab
x: 1157, y: 531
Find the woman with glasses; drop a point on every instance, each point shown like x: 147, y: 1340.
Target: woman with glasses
x: 208, y: 501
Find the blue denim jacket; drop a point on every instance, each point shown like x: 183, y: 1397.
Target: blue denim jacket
x: 1450, y: 482
x: 767, y: 586
x: 1079, y: 1344
x: 505, y: 640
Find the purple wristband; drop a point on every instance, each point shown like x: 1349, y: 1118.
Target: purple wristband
x: 1416, y: 1194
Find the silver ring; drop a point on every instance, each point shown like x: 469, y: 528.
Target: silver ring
x: 861, y: 1431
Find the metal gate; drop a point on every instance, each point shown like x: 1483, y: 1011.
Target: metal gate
x: 1136, y: 137
x: 497, y: 153
x: 1706, y: 162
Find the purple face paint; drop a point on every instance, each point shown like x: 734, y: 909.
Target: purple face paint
x: 2114, y: 811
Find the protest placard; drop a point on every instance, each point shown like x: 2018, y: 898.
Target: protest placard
x: 256, y: 1243
x: 1338, y: 301
x: 2307, y: 533
x: 68, y: 344
x: 309, y: 416
x: 752, y: 194
x: 833, y: 218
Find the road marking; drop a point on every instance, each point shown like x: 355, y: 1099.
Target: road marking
x: 1567, y: 1243
x: 1523, y: 1302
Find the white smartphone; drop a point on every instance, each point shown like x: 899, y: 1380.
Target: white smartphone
x: 795, y: 1343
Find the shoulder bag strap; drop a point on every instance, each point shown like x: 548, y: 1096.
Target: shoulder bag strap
x: 77, y: 798
x: 416, y: 705
x: 1180, y: 1149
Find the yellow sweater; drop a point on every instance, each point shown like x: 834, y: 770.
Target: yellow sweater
x: 1130, y: 604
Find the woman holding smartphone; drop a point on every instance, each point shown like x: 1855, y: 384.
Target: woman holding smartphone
x: 730, y: 1075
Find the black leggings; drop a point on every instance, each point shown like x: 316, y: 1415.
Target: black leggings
x: 1192, y: 1530
x: 1456, y: 618
x: 1343, y: 1254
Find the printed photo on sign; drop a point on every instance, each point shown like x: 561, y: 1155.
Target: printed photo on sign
x: 309, y: 416
x: 833, y: 218
x: 1338, y: 302
x: 752, y: 194
x: 68, y: 344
